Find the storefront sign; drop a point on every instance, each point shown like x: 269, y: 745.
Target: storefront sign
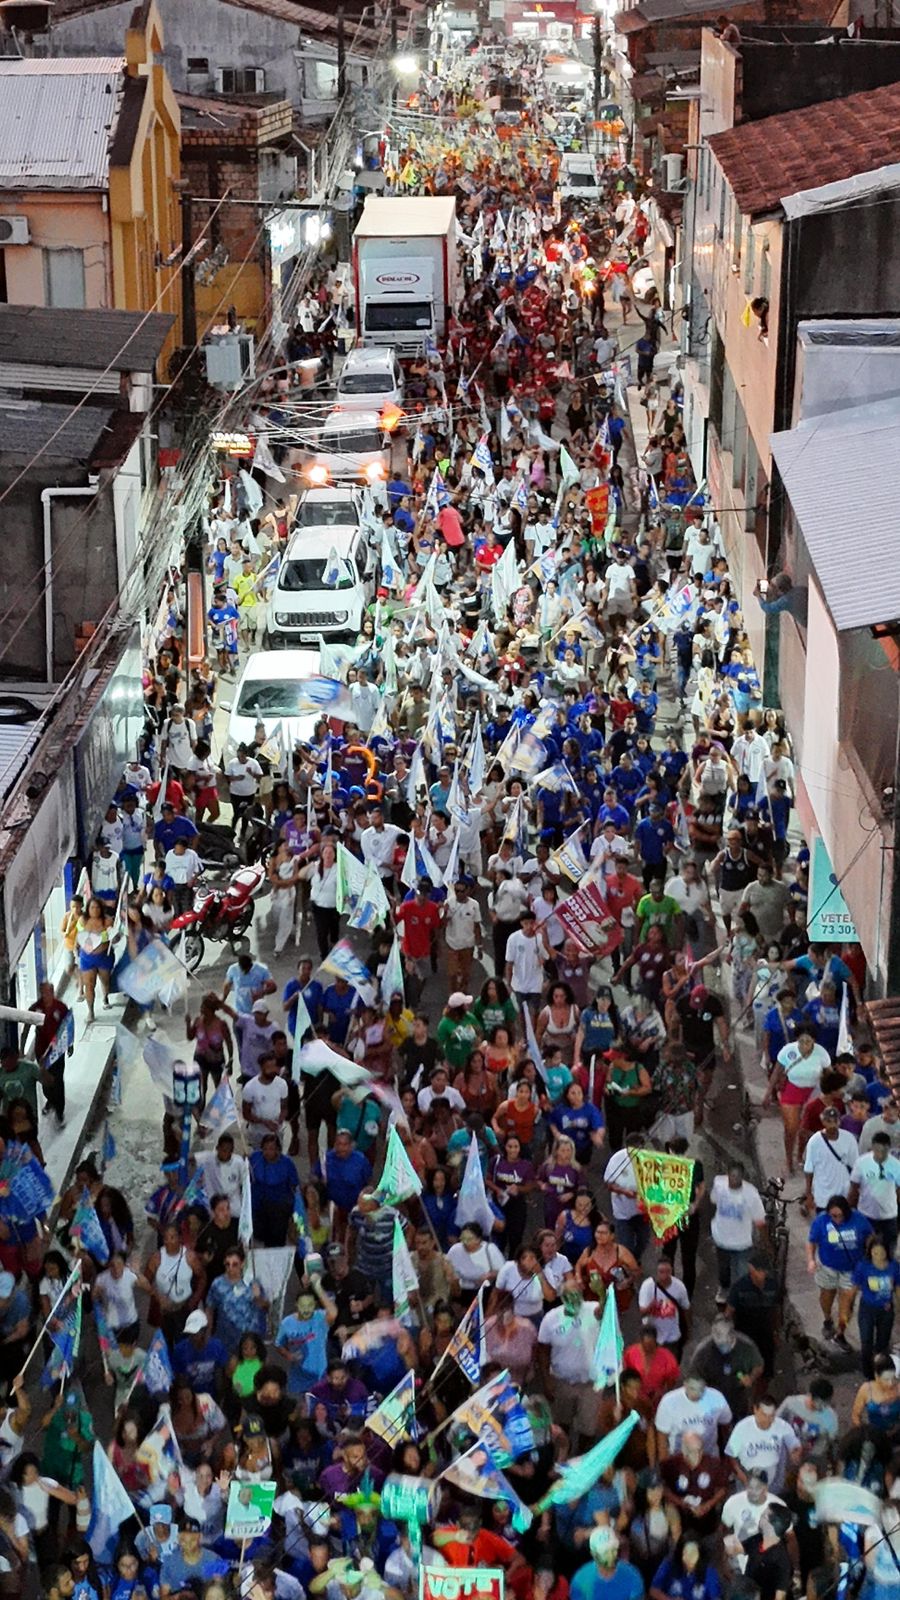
x: 109, y: 740
x: 461, y: 1583
x: 829, y: 917
x: 44, y: 848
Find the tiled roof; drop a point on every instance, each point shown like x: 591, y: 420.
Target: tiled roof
x: 124, y: 341
x: 767, y: 160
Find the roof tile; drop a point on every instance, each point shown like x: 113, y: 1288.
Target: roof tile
x: 765, y: 161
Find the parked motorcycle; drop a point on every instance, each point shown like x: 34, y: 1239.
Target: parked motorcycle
x: 220, y: 915
x: 215, y: 845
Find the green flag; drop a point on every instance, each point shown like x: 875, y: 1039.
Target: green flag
x: 607, y: 1364
x: 393, y: 1419
x: 399, y: 1180
x: 392, y: 976
x: 405, y: 1281
x: 578, y: 1476
x: 351, y: 879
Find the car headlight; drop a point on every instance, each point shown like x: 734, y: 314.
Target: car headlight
x: 375, y: 472
x: 283, y: 619
x: 318, y: 474
x: 341, y: 616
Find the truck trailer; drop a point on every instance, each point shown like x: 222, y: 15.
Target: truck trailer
x: 406, y: 272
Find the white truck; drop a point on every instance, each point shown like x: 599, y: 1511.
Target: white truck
x: 405, y: 269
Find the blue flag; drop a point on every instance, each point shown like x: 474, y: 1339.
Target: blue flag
x: 109, y: 1147
x: 220, y: 1112
x: 28, y: 1192
x: 111, y: 1507
x: 158, y: 1372
x: 468, y: 1346
x: 87, y: 1232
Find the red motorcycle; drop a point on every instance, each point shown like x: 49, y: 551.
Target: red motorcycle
x: 220, y: 915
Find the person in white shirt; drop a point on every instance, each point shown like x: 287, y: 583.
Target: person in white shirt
x: 184, y: 868
x: 742, y: 1513
x: 179, y: 738
x: 255, y: 1033
x: 440, y: 1088
x: 243, y: 774
x: 475, y: 1260
x: 888, y: 1122
x: 739, y: 1216
x: 112, y: 830
x: 223, y: 1172
x: 691, y: 894
x: 873, y: 1189
x: 620, y: 594
x: 525, y: 955
x: 763, y: 1441
x: 464, y: 934
x: 830, y: 1158
x: 664, y: 1300
x: 780, y: 766
x: 693, y: 1408
x: 263, y: 1102
x: 630, y: 1225
x: 378, y: 843
x: 366, y: 699
x: 567, y: 1339
x: 749, y: 754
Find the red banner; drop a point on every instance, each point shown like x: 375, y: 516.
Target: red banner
x: 586, y: 917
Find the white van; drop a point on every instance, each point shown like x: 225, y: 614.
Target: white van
x: 267, y: 692
x: 353, y: 447
x: 301, y: 606
x: 370, y: 376
x: 578, y: 178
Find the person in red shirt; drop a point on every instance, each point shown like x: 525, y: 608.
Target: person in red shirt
x: 623, y: 891
x: 174, y: 795
x: 467, y: 1544
x: 418, y: 919
x: 488, y: 554
x: 656, y: 1364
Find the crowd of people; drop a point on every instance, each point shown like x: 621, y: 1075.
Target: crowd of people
x: 403, y: 1208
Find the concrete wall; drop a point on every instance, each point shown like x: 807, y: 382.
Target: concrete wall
x: 57, y: 222
x: 225, y: 34
x: 795, y: 75
x: 835, y: 798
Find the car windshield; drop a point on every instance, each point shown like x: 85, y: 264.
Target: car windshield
x: 581, y: 180
x: 397, y: 316
x: 366, y: 383
x: 308, y: 572
x: 351, y: 442
x: 269, y: 700
x: 326, y: 514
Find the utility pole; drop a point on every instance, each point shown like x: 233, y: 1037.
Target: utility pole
x: 598, y: 66
x: 341, y: 56
x: 188, y: 296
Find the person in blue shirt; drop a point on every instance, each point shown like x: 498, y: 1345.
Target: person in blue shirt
x: 834, y: 1248
x: 654, y: 837
x: 170, y: 827
x: 877, y: 1278
x: 190, y: 1563
x: 199, y: 1356
x: 337, y: 1004
x: 397, y: 489
x: 312, y: 991
x: 673, y: 762
x: 684, y: 1575
x: 248, y: 981
x: 606, y: 1577
x: 273, y: 1188
x: 157, y: 878
x: 346, y: 1172
x: 646, y: 704
x: 820, y: 963
x: 302, y: 1338
x: 825, y: 1016
x: 579, y: 1120
x: 612, y: 811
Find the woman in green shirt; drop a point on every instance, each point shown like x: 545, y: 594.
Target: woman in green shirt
x: 626, y: 1099
x: 457, y: 1031
x: 494, y: 1007
x: 250, y: 1357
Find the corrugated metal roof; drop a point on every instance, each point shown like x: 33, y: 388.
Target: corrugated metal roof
x: 59, y: 434
x: 56, y: 121
x: 125, y: 341
x: 390, y: 216
x: 842, y: 460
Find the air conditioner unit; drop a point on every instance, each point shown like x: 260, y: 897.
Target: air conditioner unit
x: 230, y: 360
x: 14, y: 230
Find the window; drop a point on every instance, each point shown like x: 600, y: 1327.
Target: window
x: 198, y: 64
x: 750, y: 261
x: 64, y: 279
x: 765, y: 277
x: 241, y: 80
x: 722, y: 198
x: 4, y: 295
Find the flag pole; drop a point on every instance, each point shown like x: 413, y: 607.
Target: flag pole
x: 67, y: 1287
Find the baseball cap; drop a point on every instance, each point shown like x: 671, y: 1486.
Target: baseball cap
x: 162, y: 1514
x: 196, y: 1322
x: 459, y: 999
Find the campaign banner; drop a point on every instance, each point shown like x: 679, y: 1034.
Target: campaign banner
x: 664, y: 1188
x: 461, y: 1583
x: 586, y: 917
x: 249, y: 1510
